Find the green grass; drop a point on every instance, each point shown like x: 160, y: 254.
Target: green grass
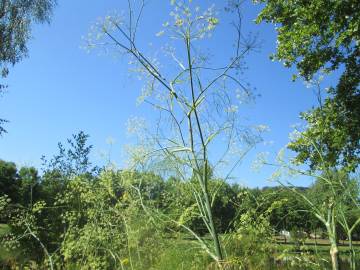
x: 182, y: 255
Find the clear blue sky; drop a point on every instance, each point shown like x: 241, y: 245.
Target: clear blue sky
x: 60, y: 89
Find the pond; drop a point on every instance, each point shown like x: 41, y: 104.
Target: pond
x: 299, y: 262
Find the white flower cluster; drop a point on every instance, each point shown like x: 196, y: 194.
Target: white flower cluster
x: 135, y: 125
x: 197, y: 24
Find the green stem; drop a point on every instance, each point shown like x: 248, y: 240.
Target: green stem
x: 204, y: 176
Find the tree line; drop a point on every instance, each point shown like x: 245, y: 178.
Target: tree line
x: 73, y: 210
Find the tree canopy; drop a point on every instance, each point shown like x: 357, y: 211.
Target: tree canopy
x: 16, y: 17
x: 15, y: 27
x: 323, y: 37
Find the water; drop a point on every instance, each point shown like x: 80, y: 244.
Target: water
x: 323, y: 261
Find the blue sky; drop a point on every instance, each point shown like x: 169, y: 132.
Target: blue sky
x: 61, y: 89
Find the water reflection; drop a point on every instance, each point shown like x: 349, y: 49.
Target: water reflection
x: 296, y: 262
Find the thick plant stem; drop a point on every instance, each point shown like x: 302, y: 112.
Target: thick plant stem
x: 334, y: 251
x: 204, y: 177
x: 214, y: 233
x: 352, y: 254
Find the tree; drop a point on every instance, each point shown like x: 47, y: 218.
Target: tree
x: 9, y: 181
x: 330, y: 132
x: 30, y: 188
x: 323, y: 36
x: 106, y: 228
x: 197, y: 102
x: 20, y: 185
x: 34, y: 217
x: 2, y: 129
x: 252, y: 239
x: 16, y: 18
x: 291, y: 214
x: 71, y: 160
